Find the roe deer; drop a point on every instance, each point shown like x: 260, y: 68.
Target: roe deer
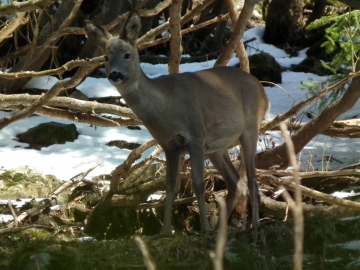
x: 196, y: 113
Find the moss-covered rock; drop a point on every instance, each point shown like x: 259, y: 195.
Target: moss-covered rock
x: 25, y: 183
x: 47, y: 134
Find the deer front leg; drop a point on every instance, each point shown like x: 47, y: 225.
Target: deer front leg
x: 172, y: 171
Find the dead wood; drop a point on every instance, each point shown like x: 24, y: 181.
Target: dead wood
x: 184, y: 19
x: 280, y: 209
x: 237, y: 34
x: 35, y: 59
x: 24, y: 6
x: 311, y: 193
x: 297, y: 108
x: 123, y: 171
x: 15, y: 22
x: 296, y: 204
x: 277, y: 155
x: 175, y: 41
x: 240, y: 49
x: 23, y: 228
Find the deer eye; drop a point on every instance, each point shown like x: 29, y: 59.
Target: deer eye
x: 127, y: 56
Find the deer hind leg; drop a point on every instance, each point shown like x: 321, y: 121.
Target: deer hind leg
x: 172, y: 172
x: 248, y: 150
x: 223, y: 164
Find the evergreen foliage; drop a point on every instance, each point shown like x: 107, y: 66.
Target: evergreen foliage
x: 342, y: 38
x: 314, y: 87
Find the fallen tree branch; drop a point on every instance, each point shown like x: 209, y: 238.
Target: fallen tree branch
x: 15, y: 101
x: 339, y: 129
x: 297, y: 108
x: 122, y: 171
x: 96, y: 61
x: 304, y: 175
x: 279, y: 209
x: 23, y: 228
x: 290, y: 185
x: 24, y: 6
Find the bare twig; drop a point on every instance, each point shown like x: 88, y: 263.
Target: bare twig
x: 145, y: 253
x: 96, y: 61
x: 16, y: 222
x: 184, y: 19
x: 24, y: 6
x: 314, y: 194
x: 131, y: 181
x: 297, y: 208
x: 237, y: 34
x: 175, y: 41
x: 156, y: 10
x: 217, y: 256
x: 13, y: 101
x: 122, y: 171
x: 145, y: 45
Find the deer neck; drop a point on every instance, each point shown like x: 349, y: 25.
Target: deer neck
x: 143, y: 97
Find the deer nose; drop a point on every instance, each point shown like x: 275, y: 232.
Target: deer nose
x: 115, y: 76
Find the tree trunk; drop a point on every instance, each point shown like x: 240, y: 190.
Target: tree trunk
x: 283, y: 23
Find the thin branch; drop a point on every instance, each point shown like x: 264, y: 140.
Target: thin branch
x: 297, y: 209
x: 20, y: 100
x: 240, y: 49
x: 10, y: 27
x: 145, y: 253
x: 43, y: 99
x: 184, y: 19
x: 96, y: 61
x: 217, y: 256
x: 237, y: 34
x: 24, y: 6
x: 145, y: 45
x: 87, y: 118
x: 122, y: 171
x: 16, y: 221
x: 175, y: 41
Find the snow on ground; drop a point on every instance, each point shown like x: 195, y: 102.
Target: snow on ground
x: 65, y: 161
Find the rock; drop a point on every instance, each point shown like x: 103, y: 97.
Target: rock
x: 25, y: 183
x: 312, y: 65
x: 265, y: 68
x: 47, y: 134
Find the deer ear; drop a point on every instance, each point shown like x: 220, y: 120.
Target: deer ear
x: 97, y: 34
x: 132, y: 27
